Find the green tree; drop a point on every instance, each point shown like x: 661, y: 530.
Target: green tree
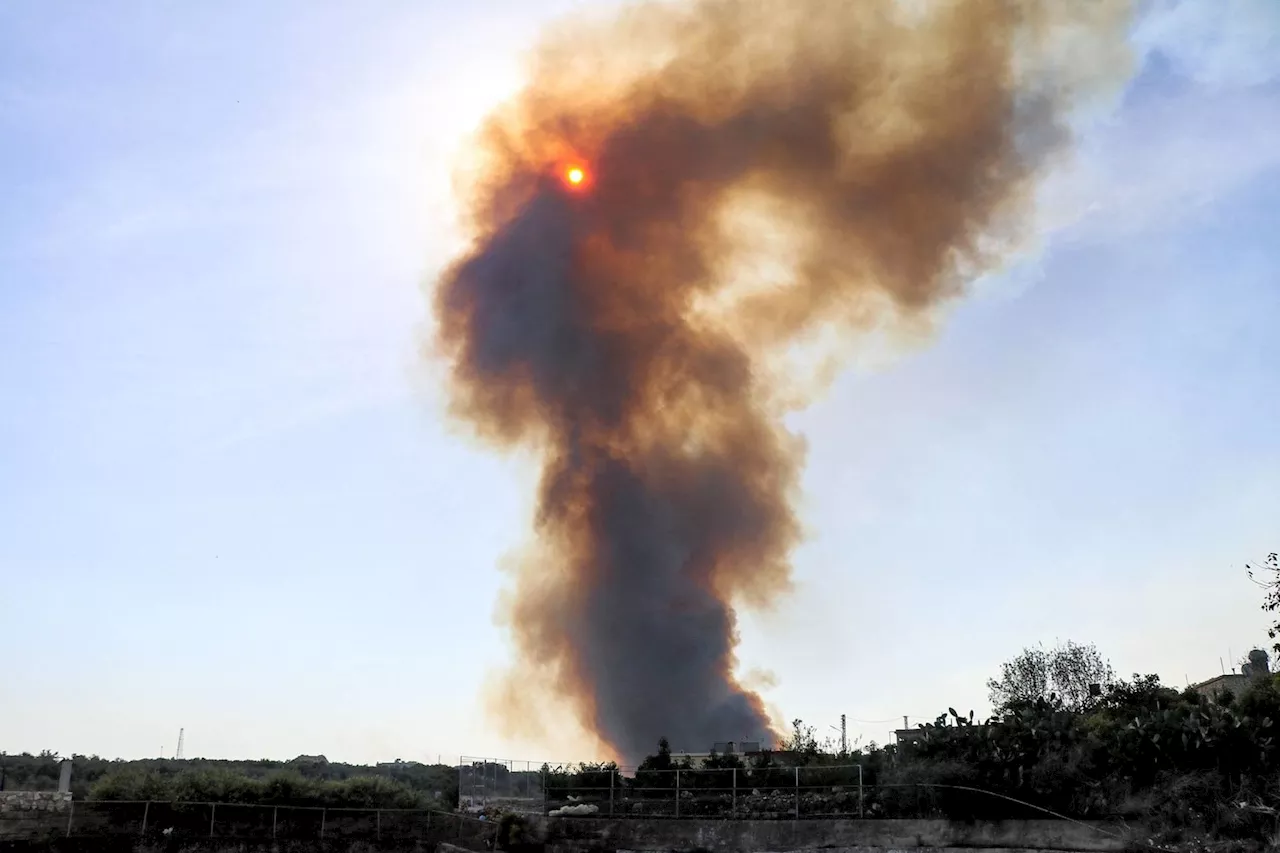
x: 1065, y: 674
x: 802, y: 744
x: 655, y: 771
x: 1269, y: 571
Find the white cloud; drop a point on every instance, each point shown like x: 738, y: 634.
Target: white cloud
x: 1166, y: 158
x: 1164, y: 164
x: 1219, y: 43
x: 1149, y: 163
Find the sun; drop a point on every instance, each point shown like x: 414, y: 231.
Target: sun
x: 575, y: 175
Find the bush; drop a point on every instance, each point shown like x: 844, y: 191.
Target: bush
x: 1170, y: 758
x: 287, y: 788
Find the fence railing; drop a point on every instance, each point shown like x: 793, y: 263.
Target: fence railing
x: 516, y: 785
x: 762, y: 793
x: 604, y: 790
x: 756, y: 793
x: 164, y: 820
x: 235, y: 820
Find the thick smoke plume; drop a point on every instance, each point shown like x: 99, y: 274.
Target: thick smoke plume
x: 754, y: 175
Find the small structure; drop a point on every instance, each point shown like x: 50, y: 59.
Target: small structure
x: 908, y: 737
x: 745, y: 749
x: 1259, y: 665
x: 1257, y: 668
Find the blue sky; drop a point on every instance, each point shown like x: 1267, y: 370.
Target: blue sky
x: 229, y: 502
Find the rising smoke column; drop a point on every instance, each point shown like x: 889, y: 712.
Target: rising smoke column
x: 753, y: 174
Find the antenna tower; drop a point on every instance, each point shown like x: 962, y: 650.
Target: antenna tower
x: 181, y: 737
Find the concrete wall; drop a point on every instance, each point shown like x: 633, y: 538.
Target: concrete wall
x: 720, y: 836
x: 111, y: 844
x: 132, y: 845
x: 580, y: 835
x: 1233, y: 682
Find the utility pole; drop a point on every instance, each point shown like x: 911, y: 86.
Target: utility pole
x: 844, y: 737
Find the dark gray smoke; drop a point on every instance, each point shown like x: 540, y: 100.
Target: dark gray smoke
x: 753, y: 173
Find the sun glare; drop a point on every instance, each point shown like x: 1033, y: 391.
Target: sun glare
x: 575, y: 176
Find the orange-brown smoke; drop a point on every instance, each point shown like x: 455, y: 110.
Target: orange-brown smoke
x: 755, y: 173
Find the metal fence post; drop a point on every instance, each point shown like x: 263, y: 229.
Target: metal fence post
x: 213, y: 812
x: 324, y: 813
x: 612, y: 772
x: 677, y: 793
x: 545, y: 781
x: 734, y: 807
x: 797, y: 793
x: 860, y: 811
x: 71, y: 813
x: 377, y: 826
x: 146, y: 810
x: 275, y: 814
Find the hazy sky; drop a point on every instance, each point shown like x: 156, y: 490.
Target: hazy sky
x: 229, y: 502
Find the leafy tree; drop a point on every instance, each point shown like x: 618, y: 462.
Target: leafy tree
x: 1063, y: 674
x: 1269, y: 568
x: 598, y: 776
x: 728, y: 761
x: 283, y: 788
x: 655, y: 771
x: 661, y: 760
x: 802, y: 744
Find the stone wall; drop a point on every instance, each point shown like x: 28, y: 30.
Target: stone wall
x: 18, y: 802
x: 21, y: 812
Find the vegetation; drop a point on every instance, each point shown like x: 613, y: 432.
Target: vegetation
x: 1139, y: 750
x: 1269, y: 570
x: 1066, y: 738
x: 1135, y: 749
x: 304, y: 781
x: 1070, y: 671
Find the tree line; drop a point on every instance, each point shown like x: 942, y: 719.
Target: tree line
x: 303, y: 781
x: 1066, y: 737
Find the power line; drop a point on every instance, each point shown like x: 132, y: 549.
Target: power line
x: 892, y: 719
